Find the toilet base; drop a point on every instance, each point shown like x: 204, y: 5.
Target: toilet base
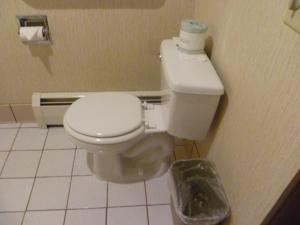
x: 131, y: 174
x: 148, y: 158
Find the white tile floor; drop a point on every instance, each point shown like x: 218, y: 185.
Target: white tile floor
x: 44, y: 180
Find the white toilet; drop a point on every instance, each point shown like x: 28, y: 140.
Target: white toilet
x: 129, y: 141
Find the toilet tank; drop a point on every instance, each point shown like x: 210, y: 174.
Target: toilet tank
x: 192, y: 92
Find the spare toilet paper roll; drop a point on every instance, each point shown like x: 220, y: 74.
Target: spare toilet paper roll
x: 192, y: 35
x: 32, y: 33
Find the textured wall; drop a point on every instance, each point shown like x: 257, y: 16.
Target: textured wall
x: 255, y: 141
x: 97, y: 45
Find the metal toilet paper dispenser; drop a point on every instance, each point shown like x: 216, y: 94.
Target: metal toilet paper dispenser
x: 34, y: 29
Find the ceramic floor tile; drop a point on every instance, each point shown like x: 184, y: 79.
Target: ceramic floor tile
x: 14, y: 194
x: 11, y: 218
x: 7, y: 137
x: 56, y: 163
x: 9, y: 125
x: 87, y: 192
x: 44, y: 217
x: 49, y: 193
x: 21, y: 164
x: 57, y: 139
x: 3, y: 156
x: 127, y: 216
x: 80, y: 164
x: 158, y: 190
x: 86, y: 217
x: 126, y: 194
x: 160, y: 215
x: 30, y: 139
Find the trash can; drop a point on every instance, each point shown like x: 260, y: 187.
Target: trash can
x: 198, y: 197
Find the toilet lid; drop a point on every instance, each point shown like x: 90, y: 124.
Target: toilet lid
x: 105, y: 114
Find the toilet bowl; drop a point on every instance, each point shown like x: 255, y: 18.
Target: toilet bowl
x: 128, y: 140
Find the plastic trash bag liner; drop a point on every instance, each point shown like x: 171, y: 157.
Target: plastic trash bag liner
x: 197, y: 193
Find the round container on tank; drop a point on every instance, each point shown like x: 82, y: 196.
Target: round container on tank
x: 192, y: 36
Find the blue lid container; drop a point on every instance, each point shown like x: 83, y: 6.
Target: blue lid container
x: 193, y: 26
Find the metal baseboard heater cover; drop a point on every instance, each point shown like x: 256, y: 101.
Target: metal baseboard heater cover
x: 49, y: 108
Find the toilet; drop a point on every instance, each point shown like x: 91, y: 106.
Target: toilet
x: 128, y: 140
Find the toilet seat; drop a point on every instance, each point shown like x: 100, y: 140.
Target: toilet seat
x: 105, y: 118
x: 105, y: 115
x: 103, y: 141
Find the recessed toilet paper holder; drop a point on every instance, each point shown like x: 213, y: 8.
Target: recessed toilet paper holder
x: 35, y: 21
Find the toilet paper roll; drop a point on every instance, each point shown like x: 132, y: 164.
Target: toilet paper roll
x: 28, y: 34
x: 191, y: 41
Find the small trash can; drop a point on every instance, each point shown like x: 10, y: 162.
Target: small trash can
x: 198, y: 197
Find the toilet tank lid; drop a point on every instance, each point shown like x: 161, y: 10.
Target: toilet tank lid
x: 190, y: 74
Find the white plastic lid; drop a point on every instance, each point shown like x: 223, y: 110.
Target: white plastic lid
x: 106, y: 114
x: 190, y: 74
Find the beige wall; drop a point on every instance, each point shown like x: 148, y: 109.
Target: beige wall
x: 97, y: 45
x: 255, y: 141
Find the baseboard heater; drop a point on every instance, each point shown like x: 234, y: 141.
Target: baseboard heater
x: 49, y: 108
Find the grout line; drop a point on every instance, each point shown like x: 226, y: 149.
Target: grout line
x: 59, y: 149
x: 75, y: 152
x: 12, y: 112
x: 112, y: 207
x: 11, y: 212
x: 2, y: 168
x: 32, y: 210
x: 12, y: 144
x: 34, y: 179
x: 126, y: 206
x: 66, y: 176
x: 19, y: 150
x: 15, y: 178
x: 26, y: 150
x: 106, y: 209
x: 84, y: 175
x: 159, y: 204
x: 147, y: 212
x: 74, y: 209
